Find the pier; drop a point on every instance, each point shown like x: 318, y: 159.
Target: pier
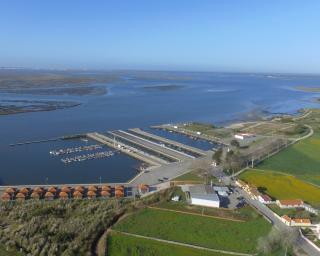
x: 170, y: 153
x: 74, y: 150
x: 178, y: 129
x: 133, y: 152
x: 91, y: 156
x: 169, y: 143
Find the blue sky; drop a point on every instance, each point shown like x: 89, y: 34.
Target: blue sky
x: 247, y: 36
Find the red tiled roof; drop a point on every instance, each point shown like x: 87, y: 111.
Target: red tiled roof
x: 266, y: 198
x: 286, y: 217
x: 291, y: 202
x: 302, y: 221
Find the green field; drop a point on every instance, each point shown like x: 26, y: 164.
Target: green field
x: 244, y: 213
x: 191, y: 176
x: 197, y: 230
x: 124, y: 245
x: 282, y: 186
x: 301, y: 160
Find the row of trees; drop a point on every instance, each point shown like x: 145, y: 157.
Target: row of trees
x: 235, y: 158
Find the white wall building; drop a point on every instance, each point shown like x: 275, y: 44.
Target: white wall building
x: 204, y: 196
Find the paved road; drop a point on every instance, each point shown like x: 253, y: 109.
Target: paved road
x: 264, y: 210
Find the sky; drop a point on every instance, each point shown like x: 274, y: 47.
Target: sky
x: 213, y: 35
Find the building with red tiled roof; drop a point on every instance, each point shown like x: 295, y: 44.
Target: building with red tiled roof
x: 10, y: 190
x: 297, y: 222
x: 6, y: 197
x: 37, y: 190
x: 79, y: 188
x: 20, y: 196
x: 143, y: 188
x: 77, y: 195
x: 65, y: 189
x: 24, y: 191
x: 35, y: 195
x: 63, y: 195
x: 290, y: 203
x: 91, y: 194
x: 106, y: 188
x: 92, y: 188
x: 49, y: 196
x: 265, y: 199
x: 119, y: 193
x: 105, y: 193
x: 301, y: 222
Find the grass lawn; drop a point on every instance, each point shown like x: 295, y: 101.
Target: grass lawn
x: 244, y: 213
x: 301, y: 159
x: 197, y: 230
x: 282, y: 186
x: 124, y: 245
x: 191, y: 176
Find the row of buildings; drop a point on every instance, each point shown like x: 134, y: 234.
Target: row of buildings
x: 282, y: 204
x: 296, y: 222
x: 66, y: 192
x: 254, y: 192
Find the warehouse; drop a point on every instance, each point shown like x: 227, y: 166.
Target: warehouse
x: 204, y: 196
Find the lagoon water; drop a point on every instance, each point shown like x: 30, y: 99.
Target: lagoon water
x: 139, y: 101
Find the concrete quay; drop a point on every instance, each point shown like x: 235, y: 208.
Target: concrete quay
x: 186, y: 148
x: 157, y: 148
x: 133, y: 152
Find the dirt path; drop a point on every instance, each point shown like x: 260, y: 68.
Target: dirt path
x: 183, y: 244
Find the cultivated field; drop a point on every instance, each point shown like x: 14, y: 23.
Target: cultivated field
x: 301, y: 160
x: 282, y: 186
x: 197, y: 230
x: 124, y: 245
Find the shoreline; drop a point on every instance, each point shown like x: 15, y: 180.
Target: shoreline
x: 301, y: 113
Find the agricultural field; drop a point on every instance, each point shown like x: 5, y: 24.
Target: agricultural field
x: 302, y: 160
x: 197, y: 230
x: 124, y: 245
x: 282, y: 186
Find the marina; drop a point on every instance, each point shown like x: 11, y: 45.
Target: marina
x: 92, y: 156
x: 126, y: 103
x: 74, y: 150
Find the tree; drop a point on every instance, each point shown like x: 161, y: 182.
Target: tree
x: 217, y: 156
x: 235, y: 143
x: 234, y: 161
x: 277, y: 240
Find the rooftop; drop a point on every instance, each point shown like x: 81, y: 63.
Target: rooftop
x: 302, y: 221
x: 291, y: 202
x: 203, y: 192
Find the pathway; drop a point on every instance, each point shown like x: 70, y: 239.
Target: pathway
x: 183, y: 244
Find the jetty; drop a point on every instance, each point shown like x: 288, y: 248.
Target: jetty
x: 169, y: 143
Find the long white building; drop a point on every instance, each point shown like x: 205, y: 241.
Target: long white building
x: 204, y: 196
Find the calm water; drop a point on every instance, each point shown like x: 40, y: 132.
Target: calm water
x: 208, y: 97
